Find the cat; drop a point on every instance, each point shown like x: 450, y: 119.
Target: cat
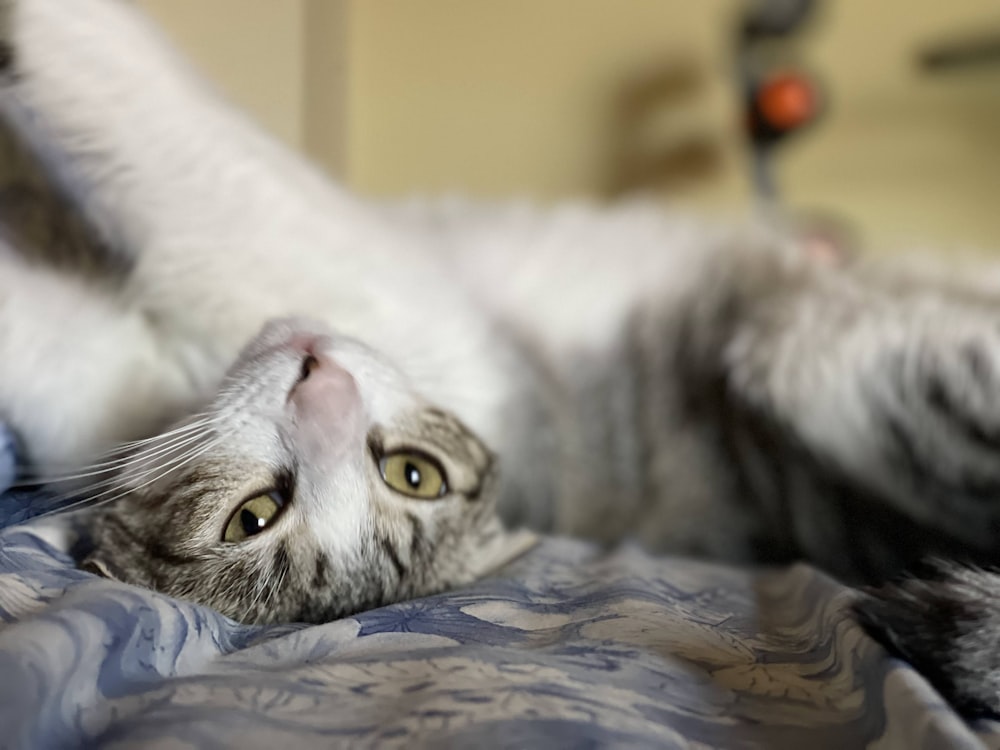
x: 345, y: 398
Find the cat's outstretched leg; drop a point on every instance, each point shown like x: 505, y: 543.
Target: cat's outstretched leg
x: 871, y: 412
x: 187, y: 188
x: 85, y: 362
x: 132, y: 133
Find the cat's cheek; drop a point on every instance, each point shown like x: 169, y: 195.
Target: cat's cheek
x: 328, y: 413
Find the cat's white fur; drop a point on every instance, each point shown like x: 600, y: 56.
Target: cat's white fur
x: 225, y: 229
x: 228, y: 230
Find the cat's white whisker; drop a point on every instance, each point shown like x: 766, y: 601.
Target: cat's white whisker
x: 112, y: 466
x: 172, y: 465
x: 274, y: 588
x: 198, y: 421
x: 122, y: 487
x: 201, y: 421
x: 109, y: 467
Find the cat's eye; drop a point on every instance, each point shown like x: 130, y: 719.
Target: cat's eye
x: 413, y: 474
x: 252, y: 517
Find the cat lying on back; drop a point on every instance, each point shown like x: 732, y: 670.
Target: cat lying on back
x: 605, y: 373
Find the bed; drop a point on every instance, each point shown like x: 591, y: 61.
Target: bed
x: 569, y: 646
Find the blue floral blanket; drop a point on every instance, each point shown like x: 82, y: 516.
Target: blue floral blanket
x: 567, y: 647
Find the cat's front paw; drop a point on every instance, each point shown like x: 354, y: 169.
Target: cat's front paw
x: 947, y: 626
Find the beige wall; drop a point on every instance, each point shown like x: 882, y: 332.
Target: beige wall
x: 522, y: 96
x: 327, y: 57
x: 905, y: 154
x: 252, y: 49
x: 568, y: 97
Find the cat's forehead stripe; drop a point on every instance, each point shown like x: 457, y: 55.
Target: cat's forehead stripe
x: 451, y: 435
x: 444, y: 432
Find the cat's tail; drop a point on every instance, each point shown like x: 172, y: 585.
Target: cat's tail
x: 947, y: 625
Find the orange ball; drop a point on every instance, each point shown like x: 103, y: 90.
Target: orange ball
x: 787, y: 101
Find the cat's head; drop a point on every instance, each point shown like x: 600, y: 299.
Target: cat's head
x: 318, y: 484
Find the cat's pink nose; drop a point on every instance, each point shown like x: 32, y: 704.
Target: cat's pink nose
x: 326, y: 402
x: 303, y: 342
x: 321, y: 377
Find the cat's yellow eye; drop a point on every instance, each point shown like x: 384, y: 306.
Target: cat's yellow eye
x: 413, y: 474
x: 252, y: 517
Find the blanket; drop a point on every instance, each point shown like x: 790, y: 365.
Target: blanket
x: 569, y: 646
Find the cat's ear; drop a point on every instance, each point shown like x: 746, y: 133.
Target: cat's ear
x: 500, y: 548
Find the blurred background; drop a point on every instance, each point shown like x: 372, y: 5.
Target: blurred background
x: 559, y: 98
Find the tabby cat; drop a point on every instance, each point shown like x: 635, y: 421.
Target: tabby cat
x: 432, y: 367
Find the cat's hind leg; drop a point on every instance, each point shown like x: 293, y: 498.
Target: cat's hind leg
x: 871, y: 406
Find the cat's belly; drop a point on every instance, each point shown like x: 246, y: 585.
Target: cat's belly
x: 608, y: 447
